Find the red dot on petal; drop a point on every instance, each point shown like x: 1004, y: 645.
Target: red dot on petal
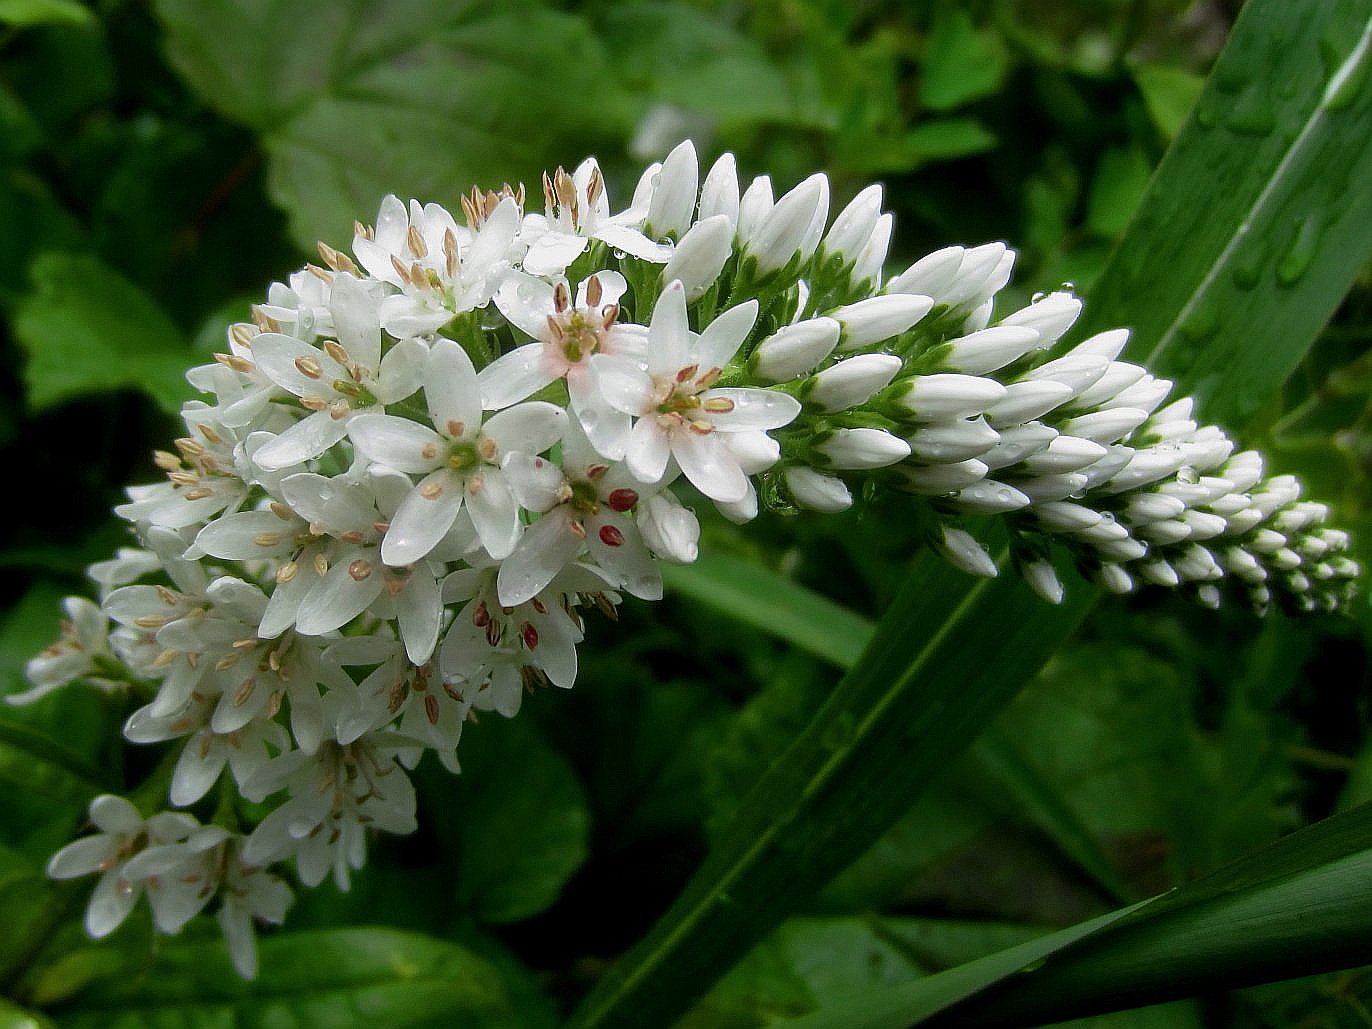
x: 611, y: 536
x: 530, y: 635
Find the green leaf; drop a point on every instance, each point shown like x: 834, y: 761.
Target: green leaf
x: 1222, y: 292
x: 1298, y: 906
x: 950, y: 653
x: 395, y: 97
x: 670, y: 53
x: 23, y: 13
x: 87, y: 329
x: 384, y: 977
x: 519, y: 822
x: 1169, y: 93
x: 961, y: 62
x: 780, y: 606
x: 1121, y: 177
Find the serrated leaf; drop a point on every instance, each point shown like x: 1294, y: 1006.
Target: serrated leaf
x: 950, y: 653
x: 86, y: 329
x: 395, y: 97
x: 335, y: 977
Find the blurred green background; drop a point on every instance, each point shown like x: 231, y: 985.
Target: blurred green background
x: 161, y: 162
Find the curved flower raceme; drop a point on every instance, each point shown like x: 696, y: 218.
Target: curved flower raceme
x: 420, y: 466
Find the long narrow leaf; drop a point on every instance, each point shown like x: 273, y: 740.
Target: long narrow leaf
x: 1301, y: 905
x: 951, y: 652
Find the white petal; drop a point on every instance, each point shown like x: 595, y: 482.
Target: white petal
x: 420, y: 611
x: 451, y: 390
x: 280, y: 358
x: 402, y: 371
x: 397, y: 442
x: 530, y: 428
x: 669, y: 333
x: 113, y: 814
x: 337, y: 504
x: 355, y: 320
x: 494, y: 512
x: 648, y: 451
x: 306, y: 439
x: 512, y: 377
x: 526, y: 301
x: 342, y: 594
x: 81, y: 857
x: 197, y: 769
x: 723, y: 336
x: 710, y: 466
x: 534, y: 481
x: 423, y: 518
x: 624, y: 386
x: 632, y: 242
x: 545, y: 549
x: 552, y: 252
x: 753, y: 408
x: 629, y: 561
x: 109, y: 905
x: 236, y: 537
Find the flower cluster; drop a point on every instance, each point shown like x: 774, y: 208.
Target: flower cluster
x: 422, y: 464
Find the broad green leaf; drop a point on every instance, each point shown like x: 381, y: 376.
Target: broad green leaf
x: 518, y: 821
x: 339, y: 977
x: 950, y: 652
x: 961, y: 62
x: 22, y: 13
x: 87, y: 329
x: 1169, y: 93
x: 672, y: 53
x: 357, y: 99
x: 1300, y: 905
x: 1120, y: 179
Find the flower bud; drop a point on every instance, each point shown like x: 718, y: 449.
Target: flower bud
x: 1064, y: 454
x: 990, y: 497
x: 988, y: 349
x: 867, y: 267
x: 1077, y: 371
x: 938, y: 479
x: 852, y: 382
x: 753, y: 208
x: 670, y: 530
x: 1051, y: 315
x: 1042, y: 579
x: 1105, y: 426
x: 1119, y: 376
x: 1018, y: 442
x: 961, y: 549
x: 983, y: 271
x: 951, y: 442
x: 795, y: 349
x: 1028, y: 400
x: 756, y: 451
x: 931, y: 275
x: 853, y: 227
x: 674, y: 198
x: 782, y: 233
x: 817, y: 491
x: 862, y: 448
x: 881, y: 317
x: 699, y: 257
x: 719, y: 192
x: 949, y: 395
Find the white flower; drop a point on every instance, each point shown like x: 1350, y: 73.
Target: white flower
x: 77, y: 655
x: 578, y: 211
x: 584, y: 504
x: 679, y: 413
x: 248, y: 894
x: 440, y: 268
x: 334, y: 383
x: 459, y: 459
x: 567, y: 336
x: 123, y: 833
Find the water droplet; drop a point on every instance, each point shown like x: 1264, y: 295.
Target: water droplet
x: 618, y: 254
x: 1247, y: 272
x: 1107, y: 518
x: 1068, y: 287
x: 1297, y: 260
x: 1169, y: 447
x: 1199, y: 324
x: 1037, y: 297
x: 1188, y: 475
